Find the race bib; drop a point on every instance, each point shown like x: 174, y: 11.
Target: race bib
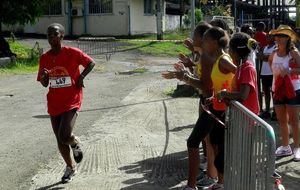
x: 60, y: 82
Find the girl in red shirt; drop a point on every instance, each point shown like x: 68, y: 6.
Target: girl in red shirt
x: 244, y: 84
x: 59, y: 68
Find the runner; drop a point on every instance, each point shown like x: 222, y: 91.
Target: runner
x: 59, y: 68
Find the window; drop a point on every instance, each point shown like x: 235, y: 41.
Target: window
x: 100, y: 6
x: 53, y: 8
x: 147, y: 7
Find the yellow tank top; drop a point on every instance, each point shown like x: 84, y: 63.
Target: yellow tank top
x: 220, y: 81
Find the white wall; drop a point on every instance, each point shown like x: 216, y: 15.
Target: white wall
x: 140, y: 23
x: 172, y: 22
x: 113, y: 24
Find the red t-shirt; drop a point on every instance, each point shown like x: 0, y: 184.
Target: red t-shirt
x: 63, y: 73
x: 261, y: 37
x: 246, y: 74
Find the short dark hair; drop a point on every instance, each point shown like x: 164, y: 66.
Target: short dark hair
x: 217, y: 33
x: 60, y: 26
x: 261, y: 25
x: 220, y: 23
x: 246, y: 28
x: 201, y: 28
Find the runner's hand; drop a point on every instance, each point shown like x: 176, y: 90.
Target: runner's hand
x: 44, y: 77
x: 44, y: 73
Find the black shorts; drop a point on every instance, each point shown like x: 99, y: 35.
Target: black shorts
x: 204, y: 126
x: 286, y: 101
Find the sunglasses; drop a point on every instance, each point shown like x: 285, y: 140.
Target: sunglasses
x: 281, y: 35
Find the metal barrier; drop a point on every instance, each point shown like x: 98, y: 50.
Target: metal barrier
x: 249, y: 151
x: 98, y: 46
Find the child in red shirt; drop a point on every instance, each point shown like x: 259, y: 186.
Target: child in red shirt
x: 59, y: 68
x: 244, y: 84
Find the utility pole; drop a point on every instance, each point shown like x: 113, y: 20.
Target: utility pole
x: 297, y: 13
x: 159, y: 18
x: 193, y: 17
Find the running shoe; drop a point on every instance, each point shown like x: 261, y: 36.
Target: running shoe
x: 201, y: 175
x: 206, y: 181
x: 189, y: 188
x: 77, y: 153
x: 69, y: 173
x: 283, y: 151
x: 217, y: 186
x: 297, y: 154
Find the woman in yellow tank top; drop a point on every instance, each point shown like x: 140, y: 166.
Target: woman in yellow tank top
x: 215, y: 40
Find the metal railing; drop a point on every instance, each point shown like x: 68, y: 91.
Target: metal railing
x: 98, y: 46
x: 249, y: 151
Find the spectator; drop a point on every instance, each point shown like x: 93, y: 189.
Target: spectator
x: 266, y: 77
x: 285, y: 64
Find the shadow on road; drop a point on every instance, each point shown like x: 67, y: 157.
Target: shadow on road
x: 52, y: 186
x: 163, y: 172
x: 41, y: 116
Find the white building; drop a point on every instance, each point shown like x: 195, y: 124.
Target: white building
x: 102, y: 17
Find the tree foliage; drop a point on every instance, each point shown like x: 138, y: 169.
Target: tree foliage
x: 20, y: 11
x: 188, y: 17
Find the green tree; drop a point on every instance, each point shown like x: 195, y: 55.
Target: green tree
x: 198, y: 17
x: 20, y: 11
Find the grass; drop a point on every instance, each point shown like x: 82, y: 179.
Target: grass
x: 171, y: 49
x: 169, y: 35
x: 26, y: 62
x: 158, y: 48
x: 170, y: 91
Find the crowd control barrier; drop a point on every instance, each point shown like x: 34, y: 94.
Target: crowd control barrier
x: 249, y: 151
x: 98, y: 46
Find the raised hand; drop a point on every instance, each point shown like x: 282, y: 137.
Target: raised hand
x: 185, y: 60
x: 188, y: 43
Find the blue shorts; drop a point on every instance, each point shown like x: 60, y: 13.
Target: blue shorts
x: 290, y: 102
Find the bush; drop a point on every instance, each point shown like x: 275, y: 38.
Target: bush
x: 188, y: 17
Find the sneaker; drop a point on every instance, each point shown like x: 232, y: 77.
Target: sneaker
x: 189, y: 188
x: 203, y: 163
x: 201, y: 175
x: 283, y: 151
x: 265, y: 115
x: 69, y: 173
x: 206, y: 181
x: 297, y: 154
x: 77, y: 152
x: 217, y: 186
x: 273, y: 116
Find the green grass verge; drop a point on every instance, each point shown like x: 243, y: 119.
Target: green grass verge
x: 157, y: 48
x: 170, y: 49
x: 27, y: 60
x: 169, y: 35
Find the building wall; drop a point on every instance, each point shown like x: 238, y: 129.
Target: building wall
x: 139, y: 22
x: 172, y: 22
x: 127, y: 18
